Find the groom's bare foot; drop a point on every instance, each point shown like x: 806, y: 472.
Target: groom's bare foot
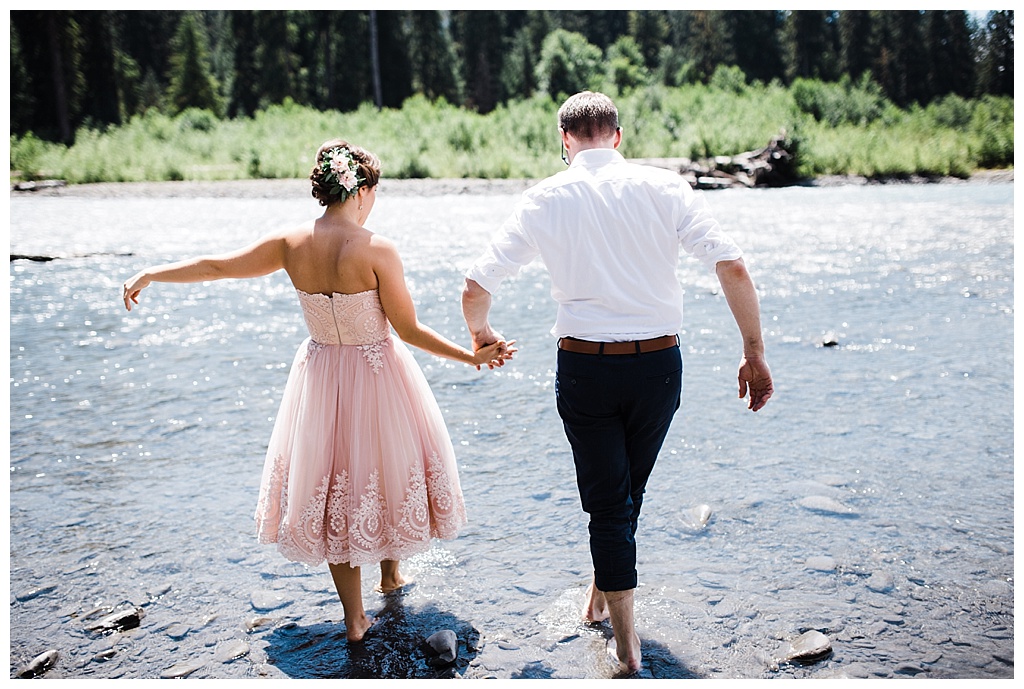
x: 628, y: 655
x: 356, y: 629
x: 595, y: 609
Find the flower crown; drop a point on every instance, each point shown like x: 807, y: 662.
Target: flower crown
x: 341, y: 171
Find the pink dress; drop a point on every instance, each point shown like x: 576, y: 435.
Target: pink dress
x: 360, y: 467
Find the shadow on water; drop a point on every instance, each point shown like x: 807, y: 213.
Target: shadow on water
x: 393, y: 649
x: 658, y: 661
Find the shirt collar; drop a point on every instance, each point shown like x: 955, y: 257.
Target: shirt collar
x: 594, y: 157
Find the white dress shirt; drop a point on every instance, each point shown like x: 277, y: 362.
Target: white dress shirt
x: 609, y: 233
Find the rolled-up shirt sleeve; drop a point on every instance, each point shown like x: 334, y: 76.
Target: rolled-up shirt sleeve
x: 510, y: 250
x: 701, y: 236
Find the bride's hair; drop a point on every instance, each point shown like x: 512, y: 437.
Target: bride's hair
x: 325, y: 188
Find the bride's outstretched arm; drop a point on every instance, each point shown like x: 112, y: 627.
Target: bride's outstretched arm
x: 259, y: 258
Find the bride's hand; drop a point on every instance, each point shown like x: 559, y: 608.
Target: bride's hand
x: 131, y: 288
x: 494, y: 354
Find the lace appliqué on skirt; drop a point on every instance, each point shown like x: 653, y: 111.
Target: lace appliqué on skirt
x: 330, y: 526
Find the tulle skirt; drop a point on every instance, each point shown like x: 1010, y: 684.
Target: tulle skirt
x: 360, y: 467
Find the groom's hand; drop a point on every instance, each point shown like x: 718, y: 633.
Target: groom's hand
x: 488, y: 338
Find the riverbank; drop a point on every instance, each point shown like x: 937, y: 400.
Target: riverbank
x: 290, y: 188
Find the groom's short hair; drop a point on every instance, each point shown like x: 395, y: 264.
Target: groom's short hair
x: 588, y: 115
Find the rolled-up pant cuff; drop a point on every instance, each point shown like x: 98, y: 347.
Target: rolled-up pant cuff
x: 615, y: 583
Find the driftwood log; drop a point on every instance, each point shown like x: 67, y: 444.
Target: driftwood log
x: 771, y: 166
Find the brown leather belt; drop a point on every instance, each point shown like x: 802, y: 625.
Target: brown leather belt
x: 571, y: 344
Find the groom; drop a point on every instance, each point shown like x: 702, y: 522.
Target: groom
x: 609, y: 233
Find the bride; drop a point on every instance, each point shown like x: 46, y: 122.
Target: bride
x: 360, y: 468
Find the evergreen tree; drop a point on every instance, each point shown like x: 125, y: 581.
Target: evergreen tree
x: 855, y: 45
x: 996, y: 55
x: 568, y: 63
x: 600, y: 27
x: 222, y: 54
x: 433, y: 56
x: 479, y: 36
x: 192, y: 84
x: 900, y: 65
x: 625, y: 65
x: 102, y: 100
x: 23, y: 101
x: 519, y: 71
x: 649, y: 29
x: 395, y: 58
x: 951, y: 60
x: 754, y: 39
x: 245, y: 94
x: 275, y: 60
x: 810, y: 45
x: 707, y: 44
x: 50, y: 45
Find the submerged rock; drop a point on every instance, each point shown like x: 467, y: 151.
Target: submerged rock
x: 809, y: 647
x: 35, y: 592
x: 881, y: 582
x: 820, y: 563
x: 695, y: 518
x: 119, y: 621
x: 265, y: 601
x: 38, y: 665
x: 236, y: 648
x: 183, y: 669
x: 444, y: 647
x: 820, y: 503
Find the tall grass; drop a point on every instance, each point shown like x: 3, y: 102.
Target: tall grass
x: 842, y: 128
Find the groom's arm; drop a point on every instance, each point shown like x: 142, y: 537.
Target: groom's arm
x: 476, y: 306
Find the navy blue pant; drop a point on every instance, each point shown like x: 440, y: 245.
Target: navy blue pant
x: 616, y: 410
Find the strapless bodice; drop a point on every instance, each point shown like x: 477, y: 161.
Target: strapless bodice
x: 350, y: 319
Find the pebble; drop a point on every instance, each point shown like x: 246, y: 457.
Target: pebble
x: 695, y: 518
x: 38, y: 665
x: 236, y: 648
x: 254, y: 622
x: 881, y: 582
x: 178, y: 631
x: 265, y: 601
x: 120, y: 620
x: 35, y: 592
x: 820, y: 563
x: 821, y: 503
x: 809, y: 647
x: 998, y: 633
x: 158, y: 591
x: 445, y: 647
x: 182, y: 669
x: 908, y: 669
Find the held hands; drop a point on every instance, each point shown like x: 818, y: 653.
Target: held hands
x: 131, y: 288
x: 755, y: 377
x: 494, y: 354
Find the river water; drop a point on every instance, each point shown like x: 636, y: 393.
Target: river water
x: 872, y: 500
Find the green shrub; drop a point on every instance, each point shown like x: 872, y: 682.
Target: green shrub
x: 841, y: 128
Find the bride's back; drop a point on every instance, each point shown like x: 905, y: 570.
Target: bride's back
x: 330, y: 257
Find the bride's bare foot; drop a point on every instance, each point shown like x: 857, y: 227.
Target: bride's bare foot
x: 595, y: 609
x: 356, y: 629
x: 391, y: 582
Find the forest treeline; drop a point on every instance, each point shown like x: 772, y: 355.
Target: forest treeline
x: 75, y: 70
